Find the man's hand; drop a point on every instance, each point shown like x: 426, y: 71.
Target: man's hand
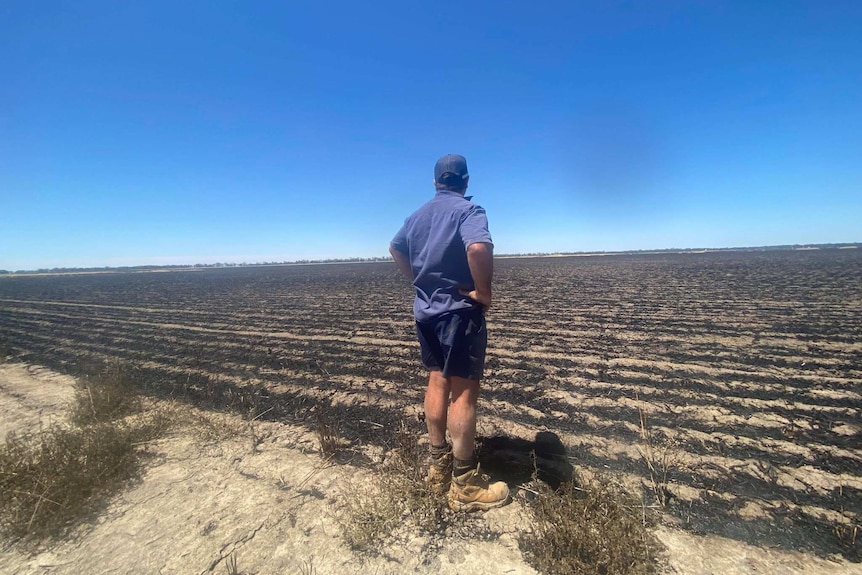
x: 483, y: 299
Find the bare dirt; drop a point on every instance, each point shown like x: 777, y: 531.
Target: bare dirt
x: 744, y: 370
x: 200, y: 501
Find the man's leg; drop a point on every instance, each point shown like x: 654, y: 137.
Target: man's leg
x: 436, y: 407
x: 470, y: 490
x: 436, y: 410
x: 451, y: 402
x: 462, y: 416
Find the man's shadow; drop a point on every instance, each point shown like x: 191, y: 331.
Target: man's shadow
x: 516, y: 460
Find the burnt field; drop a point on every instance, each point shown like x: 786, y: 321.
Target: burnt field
x: 725, y: 386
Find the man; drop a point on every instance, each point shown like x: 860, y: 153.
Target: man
x: 446, y: 250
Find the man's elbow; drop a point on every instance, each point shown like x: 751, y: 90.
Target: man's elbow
x: 401, y: 261
x: 480, y: 249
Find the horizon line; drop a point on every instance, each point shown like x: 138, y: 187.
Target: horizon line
x: 373, y: 259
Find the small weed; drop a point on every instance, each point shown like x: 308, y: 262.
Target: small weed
x: 281, y: 483
x: 209, y: 427
x: 409, y: 455
x: 848, y: 537
x: 230, y: 565
x: 368, y: 518
x: 597, y: 529
x: 254, y: 437
x: 327, y: 434
x: 659, y: 462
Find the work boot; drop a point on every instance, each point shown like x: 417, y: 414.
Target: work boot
x: 440, y: 469
x: 472, y: 491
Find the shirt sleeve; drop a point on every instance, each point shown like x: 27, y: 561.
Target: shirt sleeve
x: 399, y: 242
x: 474, y: 227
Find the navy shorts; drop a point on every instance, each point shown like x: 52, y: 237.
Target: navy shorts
x: 454, y: 343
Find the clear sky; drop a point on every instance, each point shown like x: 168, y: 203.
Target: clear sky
x: 166, y: 132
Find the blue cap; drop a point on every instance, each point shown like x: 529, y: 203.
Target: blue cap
x: 450, y: 164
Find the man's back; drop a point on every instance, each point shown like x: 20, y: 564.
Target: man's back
x: 435, y: 239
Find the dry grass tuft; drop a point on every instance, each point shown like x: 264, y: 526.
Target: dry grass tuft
x: 327, y: 434
x: 598, y: 529
x: 308, y: 568
x: 207, y: 427
x: 54, y: 477
x: 399, y: 496
x: 659, y: 458
x: 848, y: 538
x: 106, y: 395
x: 231, y: 565
x: 51, y: 478
x: 368, y: 518
x: 405, y: 477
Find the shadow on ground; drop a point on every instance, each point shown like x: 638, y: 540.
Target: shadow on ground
x: 517, y: 461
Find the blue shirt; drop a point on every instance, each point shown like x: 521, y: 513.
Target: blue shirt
x: 435, y: 239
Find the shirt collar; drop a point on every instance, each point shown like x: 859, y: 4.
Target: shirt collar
x: 451, y: 193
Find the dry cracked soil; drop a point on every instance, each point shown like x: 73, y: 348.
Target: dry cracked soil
x: 202, y: 502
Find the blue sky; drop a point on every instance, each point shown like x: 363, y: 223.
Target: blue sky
x: 195, y: 132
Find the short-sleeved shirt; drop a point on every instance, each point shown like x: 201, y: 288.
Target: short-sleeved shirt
x: 435, y: 238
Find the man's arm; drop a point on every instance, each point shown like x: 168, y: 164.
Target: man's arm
x: 480, y: 258
x: 402, y: 261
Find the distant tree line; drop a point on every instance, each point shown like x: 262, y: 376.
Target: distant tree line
x: 107, y: 269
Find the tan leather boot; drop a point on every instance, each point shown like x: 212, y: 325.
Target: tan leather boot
x: 440, y: 472
x: 473, y: 491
